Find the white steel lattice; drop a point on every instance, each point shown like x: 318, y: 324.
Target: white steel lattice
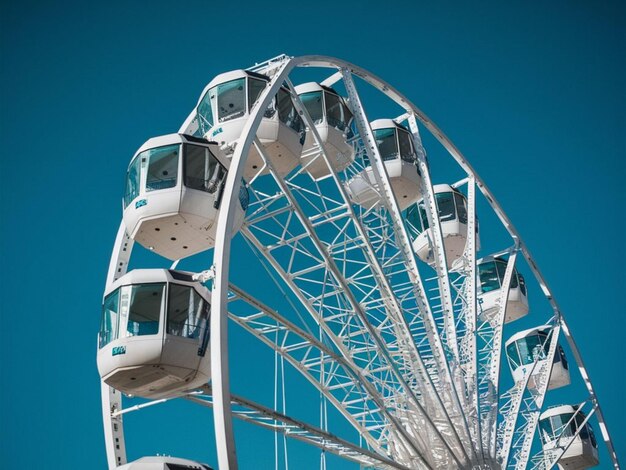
x: 412, y: 362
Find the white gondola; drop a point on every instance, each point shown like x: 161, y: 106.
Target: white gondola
x: 557, y: 428
x: 395, y: 145
x: 491, y: 275
x: 154, y: 334
x: 452, y: 210
x: 163, y: 463
x: 223, y: 111
x: 173, y: 194
x: 523, y: 348
x: 332, y: 118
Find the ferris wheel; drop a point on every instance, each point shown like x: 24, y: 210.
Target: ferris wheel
x: 396, y: 314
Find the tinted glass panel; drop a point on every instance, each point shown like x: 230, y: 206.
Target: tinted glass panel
x: 187, y: 312
x: 522, y: 283
x: 560, y: 426
x: 592, y: 436
x: 162, y: 167
x: 347, y: 117
x: 144, y: 309
x: 205, y: 113
x: 110, y: 318
x: 488, y: 277
x: 406, y: 147
x: 513, y: 355
x: 461, y: 207
x: 255, y: 88
x: 423, y: 215
x: 287, y: 112
x: 202, y: 170
x: 386, y: 141
x: 545, y: 341
x: 501, y: 266
x: 584, y: 430
x: 530, y: 349
x: 514, y: 280
x: 445, y: 206
x: 335, y: 111
x: 545, y: 430
x: 244, y: 195
x: 231, y: 99
x: 560, y: 356
x: 412, y: 216
x: 502, y: 272
x: 313, y: 104
x: 133, y: 180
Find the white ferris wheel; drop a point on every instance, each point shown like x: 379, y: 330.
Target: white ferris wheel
x: 394, y: 318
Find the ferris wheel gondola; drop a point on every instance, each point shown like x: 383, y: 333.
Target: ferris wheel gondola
x: 491, y: 272
x: 224, y: 108
x: 525, y: 348
x: 174, y: 187
x: 333, y: 119
x: 565, y: 428
x: 397, y: 151
x: 154, y: 334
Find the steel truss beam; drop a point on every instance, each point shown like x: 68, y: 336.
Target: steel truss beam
x: 220, y: 376
x: 263, y: 416
x: 382, y: 272
x: 406, y: 250
x: 465, y: 399
x: 490, y: 331
x: 467, y: 298
x: 115, y: 443
x: 332, y: 374
x: 346, y: 304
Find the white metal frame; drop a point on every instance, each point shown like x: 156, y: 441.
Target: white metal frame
x: 434, y: 377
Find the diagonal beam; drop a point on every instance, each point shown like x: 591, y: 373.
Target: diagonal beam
x: 391, y: 205
x: 352, y: 374
x: 494, y: 357
x: 439, y: 252
x: 263, y: 416
x: 392, y: 304
x: 356, y: 307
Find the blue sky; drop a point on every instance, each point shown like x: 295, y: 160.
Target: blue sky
x: 533, y: 94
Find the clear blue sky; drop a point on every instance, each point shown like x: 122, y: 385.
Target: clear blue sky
x: 533, y: 94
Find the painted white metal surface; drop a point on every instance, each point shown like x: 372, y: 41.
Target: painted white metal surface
x: 425, y: 359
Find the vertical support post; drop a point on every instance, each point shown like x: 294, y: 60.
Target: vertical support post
x: 437, y: 245
x: 491, y: 401
x: 471, y: 360
x: 112, y: 399
x: 113, y: 427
